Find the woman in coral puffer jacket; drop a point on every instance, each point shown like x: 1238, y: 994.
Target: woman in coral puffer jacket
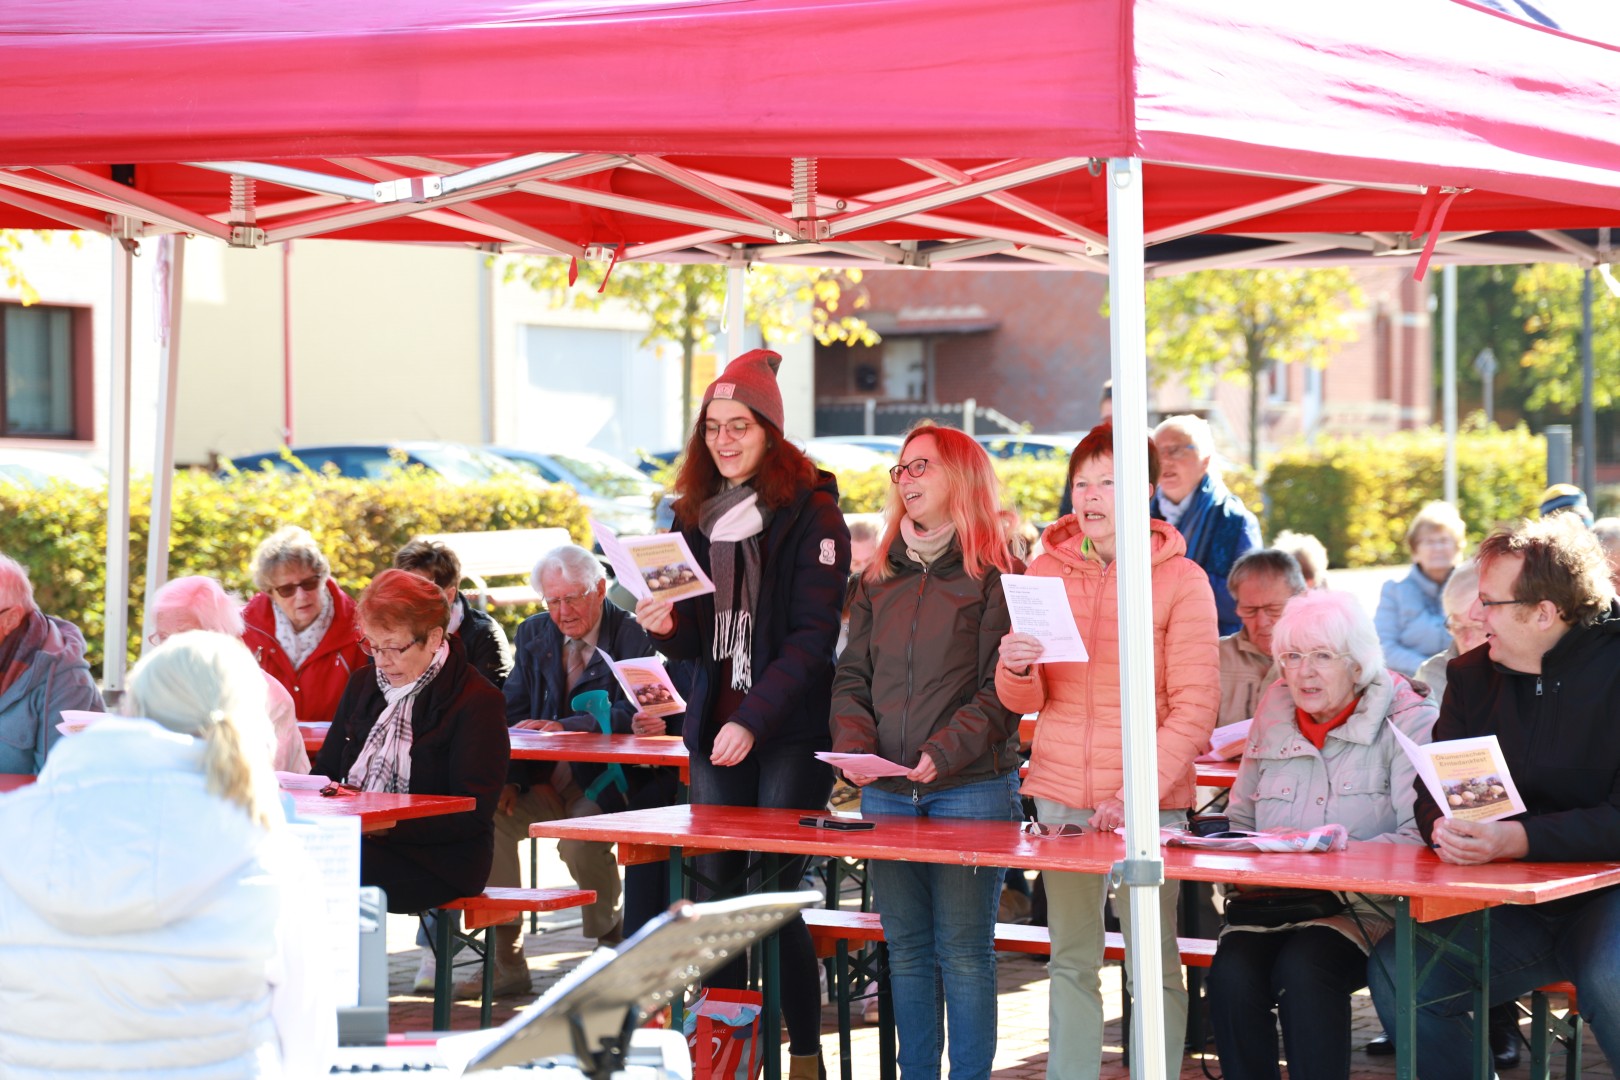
x: 1076, y: 769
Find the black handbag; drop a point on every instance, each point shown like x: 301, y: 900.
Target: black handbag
x: 1281, y: 907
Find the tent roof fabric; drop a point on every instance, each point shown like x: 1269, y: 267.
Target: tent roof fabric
x: 1264, y: 118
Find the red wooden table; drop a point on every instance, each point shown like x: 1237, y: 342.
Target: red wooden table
x: 13, y: 781
x: 573, y: 746
x: 1426, y: 888
x: 379, y: 810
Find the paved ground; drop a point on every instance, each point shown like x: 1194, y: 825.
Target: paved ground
x: 1023, y: 1022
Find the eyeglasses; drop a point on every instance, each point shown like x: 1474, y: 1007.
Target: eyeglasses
x: 309, y: 584
x: 335, y: 788
x: 1270, y: 611
x: 1321, y: 658
x: 387, y: 653
x: 574, y: 598
x: 737, y: 429
x: 916, y: 467
x: 1041, y: 828
x: 1484, y: 603
x: 1457, y: 624
x: 1178, y: 452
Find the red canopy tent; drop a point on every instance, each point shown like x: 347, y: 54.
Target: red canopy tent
x: 1087, y: 134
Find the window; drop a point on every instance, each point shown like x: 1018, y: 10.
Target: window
x: 45, y: 353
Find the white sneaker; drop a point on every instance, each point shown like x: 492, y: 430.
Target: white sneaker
x: 425, y: 974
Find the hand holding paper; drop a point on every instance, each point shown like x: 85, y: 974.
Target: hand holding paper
x: 862, y: 764
x: 1039, y: 606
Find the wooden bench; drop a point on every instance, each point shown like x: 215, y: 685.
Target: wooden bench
x: 478, y: 913
x: 832, y: 930
x: 501, y: 553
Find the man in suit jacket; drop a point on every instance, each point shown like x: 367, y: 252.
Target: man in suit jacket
x: 560, y: 656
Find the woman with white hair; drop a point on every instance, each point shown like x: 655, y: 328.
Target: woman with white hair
x: 155, y: 911
x: 1320, y: 752
x: 301, y: 627
x: 42, y: 672
x: 201, y: 603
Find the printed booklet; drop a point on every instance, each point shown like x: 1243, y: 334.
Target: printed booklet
x: 647, y: 683
x: 649, y: 566
x: 1468, y: 778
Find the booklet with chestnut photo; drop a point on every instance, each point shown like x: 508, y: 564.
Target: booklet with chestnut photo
x: 1468, y: 778
x: 647, y: 683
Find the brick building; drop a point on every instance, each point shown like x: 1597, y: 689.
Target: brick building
x: 1033, y: 346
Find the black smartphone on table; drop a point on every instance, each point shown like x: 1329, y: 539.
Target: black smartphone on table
x: 840, y: 824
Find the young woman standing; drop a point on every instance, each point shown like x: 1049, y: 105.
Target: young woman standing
x: 764, y: 524
x: 916, y: 685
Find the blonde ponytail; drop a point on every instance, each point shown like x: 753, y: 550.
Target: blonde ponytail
x: 206, y: 684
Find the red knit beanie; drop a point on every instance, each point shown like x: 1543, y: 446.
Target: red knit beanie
x: 751, y: 380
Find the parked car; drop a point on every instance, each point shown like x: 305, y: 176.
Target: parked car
x: 41, y: 468
x: 838, y: 458
x: 1040, y: 447
x: 372, y: 461
x: 888, y: 445
x: 616, y: 494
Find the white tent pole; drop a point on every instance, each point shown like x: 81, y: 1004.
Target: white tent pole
x: 1142, y: 872
x: 1448, y: 354
x: 157, y: 540
x: 736, y: 309
x: 116, y: 644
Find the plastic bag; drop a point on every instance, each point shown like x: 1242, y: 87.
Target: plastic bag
x: 722, y: 1032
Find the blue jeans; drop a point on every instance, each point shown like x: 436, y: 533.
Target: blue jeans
x: 1530, y: 947
x: 940, y: 924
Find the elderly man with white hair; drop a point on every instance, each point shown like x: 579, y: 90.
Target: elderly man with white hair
x: 42, y: 672
x: 1214, y: 522
x: 201, y: 603
x: 560, y: 655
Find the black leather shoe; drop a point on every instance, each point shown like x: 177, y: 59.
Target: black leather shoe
x: 1505, y: 1035
x: 1383, y: 1046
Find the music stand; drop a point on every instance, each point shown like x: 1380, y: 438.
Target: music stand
x: 592, y: 1012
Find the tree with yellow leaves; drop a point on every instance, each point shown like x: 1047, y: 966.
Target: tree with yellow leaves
x: 683, y: 303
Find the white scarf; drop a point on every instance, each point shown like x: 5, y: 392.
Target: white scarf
x: 384, y: 763
x: 299, y: 645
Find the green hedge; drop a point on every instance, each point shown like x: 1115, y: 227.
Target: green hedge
x: 60, y: 533
x: 1358, y: 495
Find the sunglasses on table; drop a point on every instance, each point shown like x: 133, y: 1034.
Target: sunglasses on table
x: 335, y: 788
x: 1041, y: 828
x: 309, y: 584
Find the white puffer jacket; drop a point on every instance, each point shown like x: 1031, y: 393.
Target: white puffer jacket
x: 148, y: 928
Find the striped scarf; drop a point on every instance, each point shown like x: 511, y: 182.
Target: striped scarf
x: 733, y: 520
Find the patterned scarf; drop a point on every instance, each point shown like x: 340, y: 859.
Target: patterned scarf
x: 384, y: 763
x: 733, y: 520
x: 299, y: 645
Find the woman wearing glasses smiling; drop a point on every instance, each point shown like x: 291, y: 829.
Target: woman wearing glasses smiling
x: 1320, y: 752
x: 421, y: 721
x: 764, y: 523
x: 301, y: 626
x: 916, y: 685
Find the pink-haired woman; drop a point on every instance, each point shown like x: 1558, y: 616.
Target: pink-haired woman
x: 916, y: 685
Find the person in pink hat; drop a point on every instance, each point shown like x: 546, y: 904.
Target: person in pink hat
x: 764, y: 523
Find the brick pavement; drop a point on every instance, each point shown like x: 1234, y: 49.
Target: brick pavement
x: 1021, y: 1048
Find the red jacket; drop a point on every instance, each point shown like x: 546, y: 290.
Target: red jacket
x: 318, y: 684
